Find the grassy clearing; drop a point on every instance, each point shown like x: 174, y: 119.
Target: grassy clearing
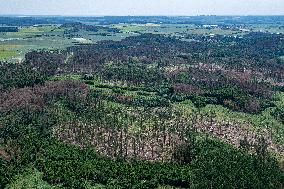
x: 130, y: 27
x: 216, y: 31
x: 263, y: 120
x: 31, y: 179
x: 66, y: 77
x: 5, y: 54
x: 41, y: 28
x: 29, y: 30
x: 272, y: 28
x: 279, y: 99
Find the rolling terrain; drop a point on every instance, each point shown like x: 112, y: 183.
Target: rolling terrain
x: 142, y: 102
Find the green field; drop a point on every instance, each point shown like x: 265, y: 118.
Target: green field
x: 48, y: 37
x: 273, y: 28
x: 174, y: 29
x: 6, y: 54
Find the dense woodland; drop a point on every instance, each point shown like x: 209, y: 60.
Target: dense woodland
x: 111, y: 114
x: 9, y: 29
x: 242, y: 78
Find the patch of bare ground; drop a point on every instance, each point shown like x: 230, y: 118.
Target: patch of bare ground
x: 149, y: 145
x: 233, y: 133
x: 158, y: 142
x: 4, y: 154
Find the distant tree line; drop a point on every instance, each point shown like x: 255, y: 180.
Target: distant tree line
x: 9, y: 29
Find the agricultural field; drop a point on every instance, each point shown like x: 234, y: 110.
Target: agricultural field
x: 273, y: 28
x: 7, y: 54
x: 49, y: 37
x: 173, y: 29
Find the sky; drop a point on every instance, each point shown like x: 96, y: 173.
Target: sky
x: 142, y: 7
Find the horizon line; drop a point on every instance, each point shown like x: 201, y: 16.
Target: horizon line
x: 67, y: 15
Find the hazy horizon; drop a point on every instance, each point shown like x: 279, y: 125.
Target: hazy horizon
x: 141, y: 7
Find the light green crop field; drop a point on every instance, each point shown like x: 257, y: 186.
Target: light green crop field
x: 6, y: 54
x: 48, y: 37
x: 16, y: 44
x: 267, y: 28
x: 41, y: 28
